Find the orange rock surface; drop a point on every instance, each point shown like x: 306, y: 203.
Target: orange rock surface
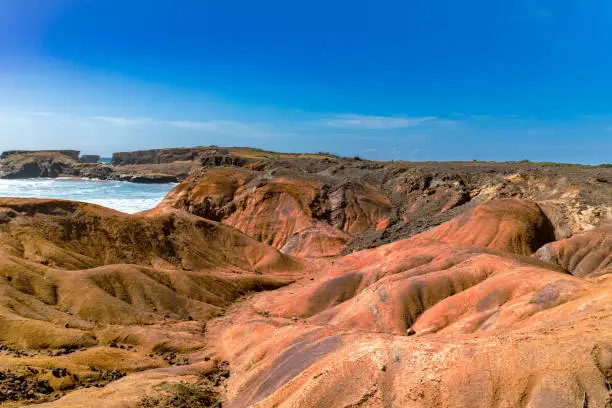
x: 239, y: 270
x: 438, y: 320
x: 285, y: 212
x: 508, y: 225
x: 98, y: 292
x: 585, y: 255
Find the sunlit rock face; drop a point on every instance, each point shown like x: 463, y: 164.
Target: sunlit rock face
x: 457, y: 316
x: 299, y: 215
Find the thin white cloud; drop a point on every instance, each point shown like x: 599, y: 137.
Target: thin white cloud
x: 227, y: 127
x: 38, y: 113
x: 46, y: 116
x: 120, y: 121
x: 374, y: 122
x: 222, y: 127
x: 187, y: 124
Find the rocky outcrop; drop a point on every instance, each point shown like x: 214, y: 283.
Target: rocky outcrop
x: 71, y: 154
x: 33, y: 164
x: 146, y: 178
x: 284, y: 211
x: 52, y: 164
x: 89, y: 158
x: 160, y: 156
x: 376, y: 203
x: 586, y: 254
x: 221, y: 157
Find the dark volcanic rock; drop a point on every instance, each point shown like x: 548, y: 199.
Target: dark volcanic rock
x: 89, y: 158
x: 216, y: 159
x: 158, y: 156
x: 147, y: 178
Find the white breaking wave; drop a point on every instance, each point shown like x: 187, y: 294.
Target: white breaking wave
x: 118, y: 195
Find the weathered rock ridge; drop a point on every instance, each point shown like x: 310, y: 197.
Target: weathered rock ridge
x: 326, y: 206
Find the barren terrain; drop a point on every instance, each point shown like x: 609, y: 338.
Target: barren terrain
x: 274, y: 280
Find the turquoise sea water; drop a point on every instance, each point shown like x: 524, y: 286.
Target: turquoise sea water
x: 119, y: 195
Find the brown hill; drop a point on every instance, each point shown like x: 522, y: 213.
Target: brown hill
x: 453, y: 317
x: 76, y: 278
x: 297, y: 214
x: 426, y: 323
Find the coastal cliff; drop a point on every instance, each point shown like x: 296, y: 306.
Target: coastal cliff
x: 16, y: 164
x: 22, y: 164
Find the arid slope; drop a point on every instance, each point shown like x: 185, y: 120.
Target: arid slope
x: 98, y: 294
x: 274, y: 280
x: 426, y: 322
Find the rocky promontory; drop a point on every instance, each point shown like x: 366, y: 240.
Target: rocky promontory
x: 143, y: 166
x: 17, y: 164
x: 22, y: 164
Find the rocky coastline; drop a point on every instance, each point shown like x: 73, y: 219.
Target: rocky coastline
x: 144, y: 166
x: 69, y: 163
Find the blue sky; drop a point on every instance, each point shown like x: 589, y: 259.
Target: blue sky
x: 413, y: 80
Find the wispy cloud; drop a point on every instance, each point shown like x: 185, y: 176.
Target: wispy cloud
x: 221, y: 127
x: 120, y: 121
x: 192, y: 125
x: 253, y: 129
x: 39, y: 113
x: 88, y: 120
x: 374, y: 122
x: 227, y: 127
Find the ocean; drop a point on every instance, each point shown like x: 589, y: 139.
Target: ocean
x: 119, y: 195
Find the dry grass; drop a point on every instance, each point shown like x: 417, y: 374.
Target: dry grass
x: 182, y: 395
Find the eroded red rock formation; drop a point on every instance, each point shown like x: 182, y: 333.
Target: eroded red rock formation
x: 300, y: 215
x: 438, y: 320
x: 481, y: 305
x: 588, y: 254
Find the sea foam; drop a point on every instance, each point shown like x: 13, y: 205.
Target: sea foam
x: 119, y: 195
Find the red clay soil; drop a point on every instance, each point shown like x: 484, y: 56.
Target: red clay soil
x: 508, y: 225
x: 485, y: 310
x: 432, y: 321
